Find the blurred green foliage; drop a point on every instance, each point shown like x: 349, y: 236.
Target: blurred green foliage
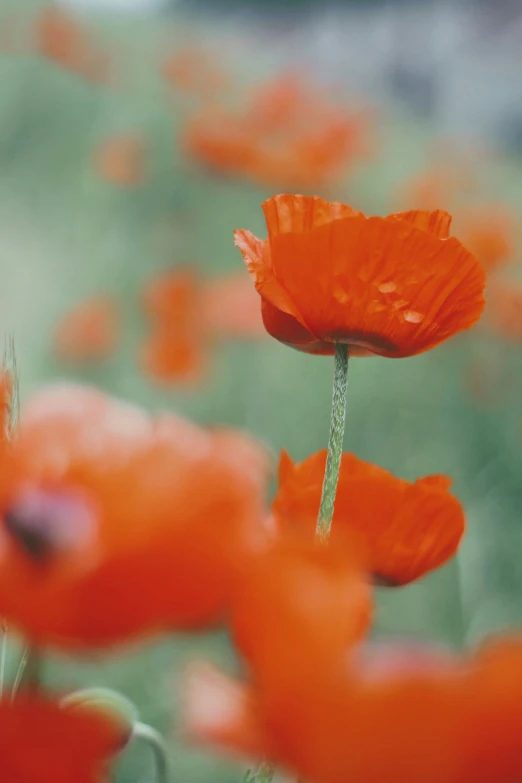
x: 65, y: 233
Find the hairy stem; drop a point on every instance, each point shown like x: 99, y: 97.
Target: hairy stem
x: 155, y: 741
x: 335, y: 443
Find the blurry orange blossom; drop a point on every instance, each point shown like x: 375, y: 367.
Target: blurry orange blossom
x: 399, y: 712
x: 405, y: 529
x: 40, y: 740
x: 188, y: 314
x: 115, y: 525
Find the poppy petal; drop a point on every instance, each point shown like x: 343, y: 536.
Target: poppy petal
x: 256, y: 254
x: 289, y: 214
x: 396, y: 303
x: 405, y: 529
x: 437, y: 221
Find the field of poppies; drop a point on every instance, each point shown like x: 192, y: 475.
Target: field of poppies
x: 164, y: 444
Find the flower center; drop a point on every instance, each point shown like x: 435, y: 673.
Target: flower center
x: 43, y: 522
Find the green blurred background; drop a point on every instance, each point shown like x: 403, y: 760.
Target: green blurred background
x: 65, y: 233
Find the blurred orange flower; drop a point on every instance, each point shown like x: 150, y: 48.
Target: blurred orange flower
x: 188, y: 314
x: 386, y: 712
x: 396, y: 286
x: 116, y: 525
x: 120, y: 160
x: 89, y: 332
x: 171, y: 355
x: 299, y: 590
x: 39, y: 740
x: 221, y: 141
x: 287, y: 133
x: 60, y: 37
x: 405, y: 529
x: 490, y: 233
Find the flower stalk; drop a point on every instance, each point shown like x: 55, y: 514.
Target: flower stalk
x: 156, y: 743
x: 335, y: 443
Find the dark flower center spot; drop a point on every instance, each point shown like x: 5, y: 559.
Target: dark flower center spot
x: 45, y: 522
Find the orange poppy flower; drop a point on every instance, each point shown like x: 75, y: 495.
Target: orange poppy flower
x: 396, y: 286
x: 88, y: 332
x: 188, y: 314
x: 387, y: 713
x: 504, y: 310
x: 489, y: 232
x: 298, y: 590
x: 61, y: 38
x: 223, y: 142
x: 174, y: 351
x: 287, y: 132
x: 120, y: 160
x: 39, y: 740
x: 170, y: 356
x: 282, y: 103
x: 115, y: 525
x: 405, y: 529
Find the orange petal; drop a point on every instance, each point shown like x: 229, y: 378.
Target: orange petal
x: 406, y: 529
x: 169, y: 356
x: 437, y: 222
x: 39, y: 737
x: 256, y: 255
x: 288, y: 214
x: 303, y: 590
x: 380, y: 284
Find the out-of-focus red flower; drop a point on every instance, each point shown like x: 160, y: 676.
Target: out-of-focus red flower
x: 287, y: 134
x: 115, y: 525
x: 39, y: 740
x: 60, y: 37
x: 195, y: 71
x: 170, y: 355
x: 282, y: 103
x: 504, y: 310
x: 490, y: 233
x: 121, y: 160
x: 406, y: 529
x: 395, y: 286
x: 89, y: 332
x: 222, y: 142
x: 386, y: 712
x: 299, y: 590
x: 188, y: 314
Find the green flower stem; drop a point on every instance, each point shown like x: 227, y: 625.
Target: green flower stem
x: 335, y: 443
x: 155, y: 741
